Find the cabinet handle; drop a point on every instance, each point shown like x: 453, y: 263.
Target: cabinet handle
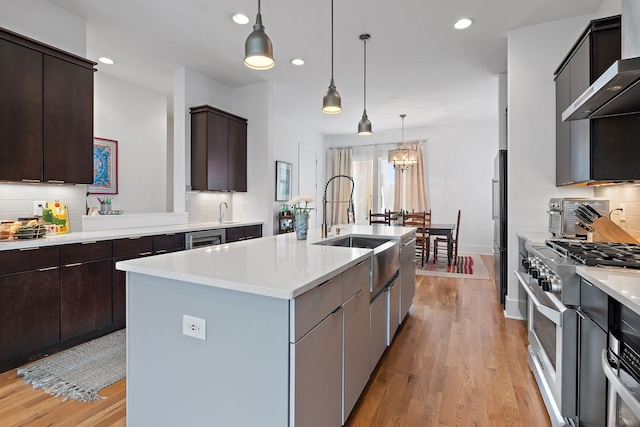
x: 135, y: 237
x: 30, y: 180
x: 47, y: 268
x: 29, y: 249
x: 410, y: 242
x: 359, y: 292
x: 326, y: 283
x: 338, y: 311
x: 75, y: 264
x: 394, y: 284
x: 55, y: 181
x: 145, y: 253
x: 161, y: 251
x: 89, y: 243
x: 360, y: 263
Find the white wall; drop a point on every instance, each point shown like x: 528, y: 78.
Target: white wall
x: 45, y: 22
x: 136, y: 117
x: 533, y: 55
x: 255, y: 102
x: 288, y: 137
x: 458, y: 168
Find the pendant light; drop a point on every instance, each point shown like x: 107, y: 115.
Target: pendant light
x: 403, y: 158
x: 258, y: 51
x: 364, y: 126
x: 331, y: 103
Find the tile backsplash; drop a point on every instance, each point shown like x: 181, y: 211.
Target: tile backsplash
x: 629, y: 195
x: 205, y: 206
x: 16, y: 200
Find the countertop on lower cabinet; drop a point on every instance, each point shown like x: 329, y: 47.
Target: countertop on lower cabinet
x: 619, y: 283
x: 88, y: 236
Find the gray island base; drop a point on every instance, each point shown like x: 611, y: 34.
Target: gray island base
x: 289, y: 333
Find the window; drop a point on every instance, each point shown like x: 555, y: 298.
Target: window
x: 374, y: 179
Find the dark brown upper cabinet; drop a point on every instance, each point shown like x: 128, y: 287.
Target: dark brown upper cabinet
x: 596, y: 150
x: 46, y: 112
x: 218, y: 150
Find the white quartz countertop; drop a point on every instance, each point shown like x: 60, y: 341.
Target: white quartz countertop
x: 88, y: 236
x: 619, y: 283
x: 275, y: 266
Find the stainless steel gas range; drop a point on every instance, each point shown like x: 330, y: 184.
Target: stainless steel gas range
x: 548, y: 275
x: 553, y: 290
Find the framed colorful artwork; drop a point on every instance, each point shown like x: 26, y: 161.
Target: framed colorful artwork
x: 283, y: 181
x: 105, y: 167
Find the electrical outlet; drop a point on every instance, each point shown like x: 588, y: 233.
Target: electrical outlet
x: 623, y: 217
x: 38, y: 207
x: 194, y: 327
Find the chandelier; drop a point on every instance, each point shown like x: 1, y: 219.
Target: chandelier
x: 403, y: 158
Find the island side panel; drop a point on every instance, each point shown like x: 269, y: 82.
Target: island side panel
x: 237, y: 377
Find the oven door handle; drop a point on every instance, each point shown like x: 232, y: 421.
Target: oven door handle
x: 551, y: 314
x: 618, y: 386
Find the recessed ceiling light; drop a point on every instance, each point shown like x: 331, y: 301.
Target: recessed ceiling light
x: 463, y: 23
x: 106, y: 60
x: 297, y: 61
x: 240, y: 18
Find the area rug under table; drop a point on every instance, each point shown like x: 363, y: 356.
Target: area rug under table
x: 467, y: 266
x: 80, y: 372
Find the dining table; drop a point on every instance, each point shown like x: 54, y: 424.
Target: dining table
x: 443, y: 230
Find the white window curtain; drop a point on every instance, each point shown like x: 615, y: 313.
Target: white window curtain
x: 340, y: 188
x: 411, y: 186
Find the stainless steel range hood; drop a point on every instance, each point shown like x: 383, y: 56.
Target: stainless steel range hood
x: 617, y: 90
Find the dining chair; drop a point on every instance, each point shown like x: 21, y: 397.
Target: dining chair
x: 419, y: 220
x: 440, y: 242
x: 379, y: 218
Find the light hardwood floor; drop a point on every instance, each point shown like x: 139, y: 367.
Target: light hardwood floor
x: 456, y: 361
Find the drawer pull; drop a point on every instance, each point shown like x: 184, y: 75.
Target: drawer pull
x: 135, y: 237
x: 161, y: 251
x: 410, y: 242
x: 359, y: 292
x: 326, y: 283
x: 29, y: 249
x: 145, y: 253
x: 30, y: 180
x: 90, y: 243
x: 360, y: 263
x: 55, y: 181
x: 338, y: 311
x: 47, y: 268
x: 75, y: 264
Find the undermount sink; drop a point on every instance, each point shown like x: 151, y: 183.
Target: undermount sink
x: 355, y: 242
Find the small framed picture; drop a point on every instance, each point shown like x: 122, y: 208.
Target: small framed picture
x: 105, y: 167
x: 283, y: 181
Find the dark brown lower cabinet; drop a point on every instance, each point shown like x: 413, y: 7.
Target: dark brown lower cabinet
x: 85, y: 293
x: 234, y: 234
x: 124, y: 249
x: 29, y: 313
x: 29, y: 304
x: 163, y: 243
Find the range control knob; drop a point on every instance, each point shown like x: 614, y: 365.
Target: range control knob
x: 526, y: 264
x: 534, y: 272
x: 545, y: 283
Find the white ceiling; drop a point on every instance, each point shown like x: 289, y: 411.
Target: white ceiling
x: 417, y: 64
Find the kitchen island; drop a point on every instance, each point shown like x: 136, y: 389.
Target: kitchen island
x: 283, y: 329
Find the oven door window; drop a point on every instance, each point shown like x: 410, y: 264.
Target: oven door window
x: 626, y: 418
x: 545, y: 331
